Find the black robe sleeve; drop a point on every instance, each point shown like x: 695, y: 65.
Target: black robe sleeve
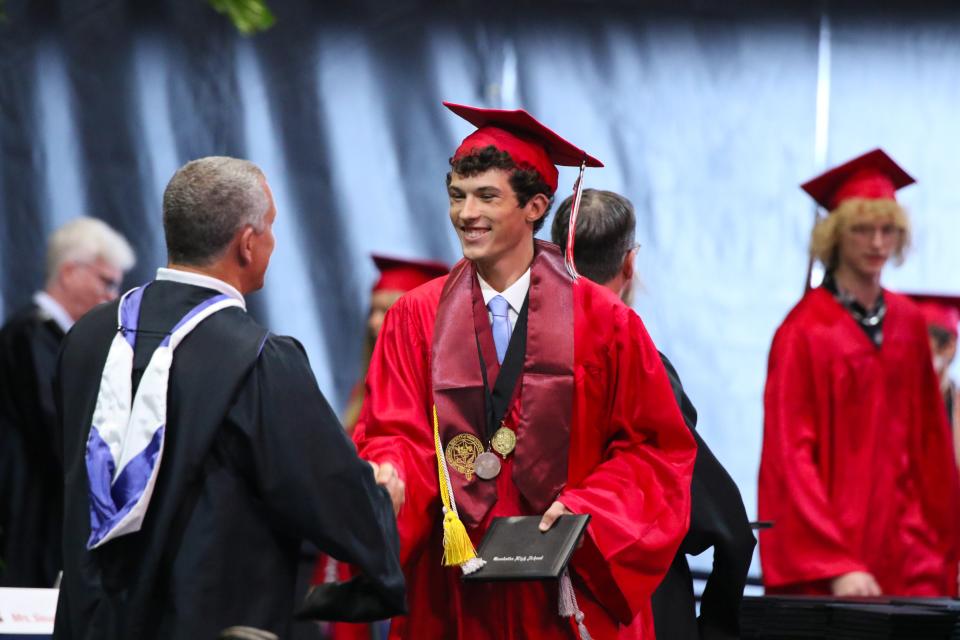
x: 718, y: 519
x: 313, y: 484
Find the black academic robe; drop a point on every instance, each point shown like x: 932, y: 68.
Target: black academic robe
x: 717, y: 519
x: 31, y: 468
x: 254, y: 461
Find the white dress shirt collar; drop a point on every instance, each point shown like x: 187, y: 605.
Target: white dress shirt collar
x: 53, y: 309
x: 200, y: 280
x: 514, y: 294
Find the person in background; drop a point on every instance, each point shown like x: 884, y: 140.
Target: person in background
x: 943, y: 315
x: 857, y: 471
x: 85, y: 263
x: 605, y: 253
x: 199, y: 451
x: 397, y: 276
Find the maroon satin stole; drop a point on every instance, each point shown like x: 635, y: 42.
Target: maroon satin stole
x: 545, y: 384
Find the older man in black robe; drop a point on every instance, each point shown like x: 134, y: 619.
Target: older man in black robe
x: 199, y: 451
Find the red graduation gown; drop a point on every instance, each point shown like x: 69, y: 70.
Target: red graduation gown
x: 857, y: 469
x: 629, y: 465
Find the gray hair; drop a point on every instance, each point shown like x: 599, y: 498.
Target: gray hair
x: 87, y: 240
x: 605, y: 232
x: 205, y: 204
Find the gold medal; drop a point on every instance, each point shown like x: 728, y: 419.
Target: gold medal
x: 504, y: 440
x: 462, y: 452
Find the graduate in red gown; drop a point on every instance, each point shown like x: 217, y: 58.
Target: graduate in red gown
x: 595, y: 425
x: 857, y: 471
x: 397, y: 276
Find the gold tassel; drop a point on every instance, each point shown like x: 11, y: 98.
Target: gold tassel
x: 457, y: 547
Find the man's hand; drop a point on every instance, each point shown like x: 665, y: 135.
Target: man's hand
x: 387, y: 477
x: 855, y: 583
x: 555, y: 511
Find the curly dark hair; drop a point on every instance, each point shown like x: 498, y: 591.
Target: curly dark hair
x: 525, y: 183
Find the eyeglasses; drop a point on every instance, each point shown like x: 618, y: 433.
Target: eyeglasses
x: 886, y: 231
x: 110, y: 284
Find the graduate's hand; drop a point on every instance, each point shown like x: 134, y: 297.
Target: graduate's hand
x: 388, y: 478
x: 855, y: 583
x: 555, y: 511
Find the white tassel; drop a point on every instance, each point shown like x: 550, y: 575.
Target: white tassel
x: 472, y: 565
x: 569, y: 607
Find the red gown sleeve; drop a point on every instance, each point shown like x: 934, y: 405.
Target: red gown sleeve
x: 805, y: 544
x: 394, y: 424
x: 637, y: 486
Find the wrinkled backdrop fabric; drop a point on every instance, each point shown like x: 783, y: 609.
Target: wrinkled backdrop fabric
x: 704, y: 113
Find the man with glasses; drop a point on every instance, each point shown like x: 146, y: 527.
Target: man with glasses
x: 857, y: 470
x: 85, y: 263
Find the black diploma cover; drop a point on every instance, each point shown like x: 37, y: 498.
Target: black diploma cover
x: 515, y: 549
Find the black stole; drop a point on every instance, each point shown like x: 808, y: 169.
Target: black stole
x: 546, y: 384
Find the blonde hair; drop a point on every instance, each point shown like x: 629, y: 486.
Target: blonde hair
x: 87, y: 240
x: 825, y: 239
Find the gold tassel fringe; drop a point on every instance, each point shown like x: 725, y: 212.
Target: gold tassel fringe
x: 457, y: 547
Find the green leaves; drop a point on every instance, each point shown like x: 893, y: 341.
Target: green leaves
x: 248, y: 16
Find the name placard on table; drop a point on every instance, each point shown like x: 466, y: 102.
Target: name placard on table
x: 27, y: 612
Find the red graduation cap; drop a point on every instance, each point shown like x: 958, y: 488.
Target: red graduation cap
x: 873, y: 175
x: 939, y: 310
x: 400, y: 274
x: 529, y: 143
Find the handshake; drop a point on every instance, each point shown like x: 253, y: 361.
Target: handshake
x: 387, y: 477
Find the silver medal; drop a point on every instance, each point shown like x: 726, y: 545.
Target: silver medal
x: 487, y: 466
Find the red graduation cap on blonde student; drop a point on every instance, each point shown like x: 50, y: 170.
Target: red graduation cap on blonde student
x: 529, y: 143
x: 939, y: 310
x: 874, y: 176
x: 400, y: 274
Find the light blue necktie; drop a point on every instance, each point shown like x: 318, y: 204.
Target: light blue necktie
x: 500, y: 326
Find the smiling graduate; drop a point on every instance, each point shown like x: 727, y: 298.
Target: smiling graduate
x: 550, y: 399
